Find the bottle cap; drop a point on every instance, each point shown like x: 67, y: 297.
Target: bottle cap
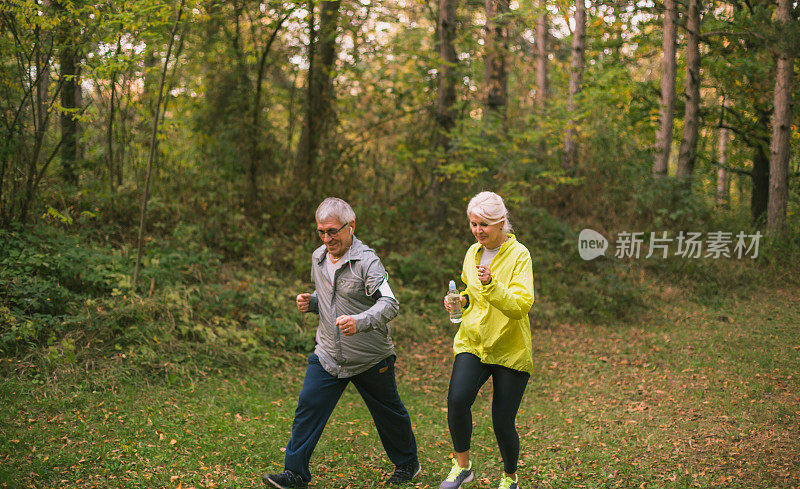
x: 452, y: 285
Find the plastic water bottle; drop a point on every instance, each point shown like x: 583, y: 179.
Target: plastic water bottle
x: 454, y: 299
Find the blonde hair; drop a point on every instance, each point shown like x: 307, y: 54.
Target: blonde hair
x: 490, y: 207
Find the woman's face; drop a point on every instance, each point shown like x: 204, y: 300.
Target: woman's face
x: 489, y: 235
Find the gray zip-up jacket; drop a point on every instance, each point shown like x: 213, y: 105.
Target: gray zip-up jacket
x: 360, y: 289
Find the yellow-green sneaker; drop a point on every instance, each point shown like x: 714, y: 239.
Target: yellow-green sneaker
x: 508, y: 483
x: 457, y: 476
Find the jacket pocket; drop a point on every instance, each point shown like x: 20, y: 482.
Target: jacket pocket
x: 350, y: 287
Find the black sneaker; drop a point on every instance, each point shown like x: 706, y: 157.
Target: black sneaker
x: 404, y: 473
x: 285, y: 480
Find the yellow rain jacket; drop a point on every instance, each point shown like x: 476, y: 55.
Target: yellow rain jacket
x: 495, y: 324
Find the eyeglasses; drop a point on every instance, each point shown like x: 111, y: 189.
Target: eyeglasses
x: 330, y: 232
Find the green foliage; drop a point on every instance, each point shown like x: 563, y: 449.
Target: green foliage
x: 663, y: 203
x: 44, y: 274
x: 58, y: 290
x: 229, y: 231
x: 425, y: 268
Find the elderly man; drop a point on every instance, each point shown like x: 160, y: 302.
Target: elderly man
x: 355, y: 304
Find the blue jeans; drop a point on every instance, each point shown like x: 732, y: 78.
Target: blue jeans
x: 321, y: 391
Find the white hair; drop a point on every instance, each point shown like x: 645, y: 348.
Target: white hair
x: 490, y: 207
x: 335, y: 208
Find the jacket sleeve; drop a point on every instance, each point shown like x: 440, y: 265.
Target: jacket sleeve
x: 313, y: 306
x: 466, y: 291
x: 515, y: 298
x: 386, y: 307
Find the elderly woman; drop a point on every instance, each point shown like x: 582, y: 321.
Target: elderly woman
x: 494, y: 339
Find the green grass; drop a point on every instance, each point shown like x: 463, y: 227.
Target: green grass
x: 693, y: 395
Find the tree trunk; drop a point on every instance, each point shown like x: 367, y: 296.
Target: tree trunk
x: 542, y: 90
x: 667, y: 105
x: 150, y: 89
x: 112, y: 108
x: 69, y: 123
x: 691, y: 118
x: 124, y: 141
x: 496, y: 45
x: 110, y: 133
x: 290, y: 122
x: 79, y: 147
x: 445, y: 115
x: 42, y: 86
x: 570, y: 156
x: 149, y: 95
x: 781, y: 130
x: 305, y: 149
x: 41, y: 118
x: 319, y: 96
x: 723, y: 182
x: 445, y: 109
x: 759, y: 198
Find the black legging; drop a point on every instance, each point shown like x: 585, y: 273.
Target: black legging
x: 468, y: 376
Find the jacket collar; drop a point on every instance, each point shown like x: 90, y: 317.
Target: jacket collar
x: 353, y: 253
x: 503, y: 247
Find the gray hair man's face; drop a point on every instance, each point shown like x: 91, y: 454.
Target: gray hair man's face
x: 336, y: 236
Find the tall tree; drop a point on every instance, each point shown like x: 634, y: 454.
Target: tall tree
x: 70, y: 88
x: 542, y: 34
x: 445, y: 105
x: 667, y: 104
x: 570, y: 155
x: 319, y: 96
x: 445, y: 113
x: 69, y: 60
x: 496, y: 45
x: 691, y: 116
x: 723, y: 183
x: 542, y: 79
x: 32, y: 46
x: 781, y: 127
x: 759, y: 197
x: 42, y: 54
x: 112, y: 109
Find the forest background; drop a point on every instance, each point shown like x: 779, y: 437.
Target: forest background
x: 160, y: 164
